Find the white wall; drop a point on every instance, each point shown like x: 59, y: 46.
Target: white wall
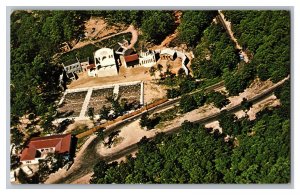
x: 107, y: 71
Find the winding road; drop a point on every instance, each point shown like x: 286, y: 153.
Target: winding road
x: 89, y: 155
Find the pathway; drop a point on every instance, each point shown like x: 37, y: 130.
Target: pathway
x: 227, y: 25
x: 88, y: 155
x: 130, y: 29
x: 85, y: 103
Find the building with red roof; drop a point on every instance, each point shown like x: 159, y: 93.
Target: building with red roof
x: 131, y: 60
x: 39, y: 147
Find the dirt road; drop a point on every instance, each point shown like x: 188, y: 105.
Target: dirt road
x: 90, y: 155
x: 227, y: 25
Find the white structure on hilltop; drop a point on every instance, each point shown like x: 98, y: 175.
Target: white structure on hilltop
x: 147, y: 58
x: 105, y: 63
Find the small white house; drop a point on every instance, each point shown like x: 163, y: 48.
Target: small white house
x: 184, y: 61
x: 72, y: 69
x: 27, y: 170
x: 105, y: 63
x: 147, y: 58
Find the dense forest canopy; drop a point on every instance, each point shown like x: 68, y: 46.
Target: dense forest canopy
x: 214, y: 54
x: 257, y: 151
x: 35, y: 37
x: 263, y: 35
x: 259, y: 154
x: 266, y: 36
x: 192, y: 25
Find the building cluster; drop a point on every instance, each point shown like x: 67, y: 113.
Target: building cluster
x: 107, y: 61
x: 39, y: 147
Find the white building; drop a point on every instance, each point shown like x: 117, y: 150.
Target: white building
x: 72, y: 69
x: 105, y: 63
x: 171, y: 54
x: 39, y: 147
x: 147, y: 58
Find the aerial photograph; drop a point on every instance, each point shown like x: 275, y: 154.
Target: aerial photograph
x: 150, y: 96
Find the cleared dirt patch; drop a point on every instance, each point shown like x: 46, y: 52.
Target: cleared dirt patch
x: 131, y: 133
x: 125, y: 75
x: 153, y: 92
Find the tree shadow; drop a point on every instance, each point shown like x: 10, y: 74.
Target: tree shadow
x: 111, y: 137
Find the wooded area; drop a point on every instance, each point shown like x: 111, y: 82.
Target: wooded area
x: 259, y: 154
x: 35, y: 38
x: 255, y: 152
x: 265, y: 36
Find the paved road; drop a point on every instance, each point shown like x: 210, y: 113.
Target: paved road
x: 90, y: 156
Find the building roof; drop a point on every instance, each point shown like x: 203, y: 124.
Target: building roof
x: 91, y: 66
x: 103, y: 52
x: 116, y: 47
x: 105, y: 56
x: 61, y: 143
x: 129, y: 52
x: 131, y: 58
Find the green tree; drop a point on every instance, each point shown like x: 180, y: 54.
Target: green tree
x: 193, y: 23
x: 148, y: 122
x: 91, y: 113
x: 187, y: 103
x: 246, y: 105
x: 159, y: 68
x: 100, y: 134
x: 17, y: 137
x: 99, y: 172
x: 22, y: 177
x: 181, y: 73
x: 218, y: 99
x: 156, y: 25
x: 173, y: 93
x: 229, y: 123
x: 104, y: 112
x: 199, y: 98
x: 152, y: 71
